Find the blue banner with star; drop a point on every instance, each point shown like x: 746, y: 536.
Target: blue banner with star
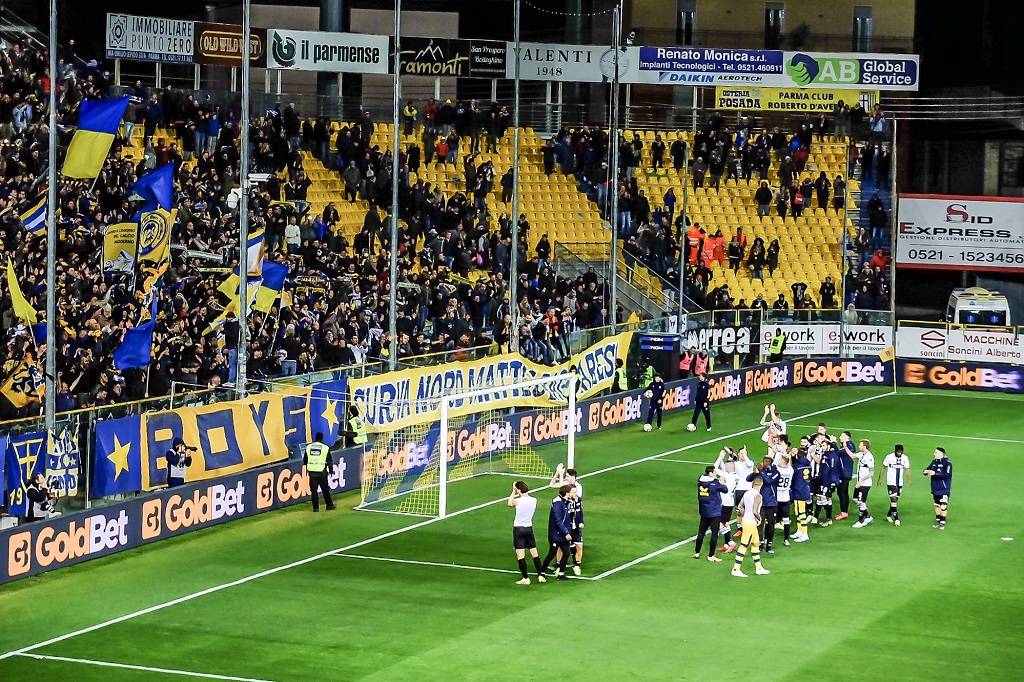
x: 327, y: 410
x: 118, y: 465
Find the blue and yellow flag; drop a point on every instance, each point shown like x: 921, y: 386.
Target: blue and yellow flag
x: 26, y: 458
x: 25, y: 385
x: 155, y: 235
x: 33, y: 221
x: 274, y: 275
x: 98, y: 122
x: 118, y: 464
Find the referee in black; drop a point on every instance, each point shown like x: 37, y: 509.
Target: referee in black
x: 701, y: 402
x: 318, y: 462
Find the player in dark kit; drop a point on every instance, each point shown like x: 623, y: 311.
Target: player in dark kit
x: 941, y: 473
x: 701, y: 403
x: 656, y: 394
x: 559, y: 532
x: 709, y: 503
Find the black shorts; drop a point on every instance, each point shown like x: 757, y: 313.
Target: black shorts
x: 861, y: 494
x: 784, y: 510
x: 727, y: 513
x: 577, y: 536
x: 522, y: 537
x: 895, y: 490
x: 826, y: 491
x: 941, y: 499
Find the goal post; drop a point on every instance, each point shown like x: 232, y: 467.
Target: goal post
x: 445, y: 409
x: 409, y: 470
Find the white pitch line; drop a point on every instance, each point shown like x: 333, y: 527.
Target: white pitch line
x: 143, y: 668
x: 391, y: 511
x: 681, y: 461
x: 439, y: 564
x: 393, y: 560
x: 404, y: 529
x: 645, y: 557
x: 925, y: 435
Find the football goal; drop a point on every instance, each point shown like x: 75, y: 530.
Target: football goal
x: 459, y: 437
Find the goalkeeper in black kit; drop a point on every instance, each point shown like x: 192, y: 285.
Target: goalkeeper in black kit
x: 701, y: 403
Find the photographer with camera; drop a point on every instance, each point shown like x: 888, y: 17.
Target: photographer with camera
x: 40, y: 499
x: 178, y: 461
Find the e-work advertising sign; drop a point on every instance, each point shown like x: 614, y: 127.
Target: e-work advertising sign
x: 37, y: 547
x: 324, y: 51
x: 829, y: 339
x: 960, y: 232
x: 149, y: 39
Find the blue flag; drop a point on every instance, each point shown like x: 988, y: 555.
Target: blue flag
x: 39, y: 333
x: 26, y: 457
x: 156, y: 188
x: 118, y: 464
x: 327, y: 410
x: 136, y: 350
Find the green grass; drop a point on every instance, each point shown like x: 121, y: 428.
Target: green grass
x: 875, y: 604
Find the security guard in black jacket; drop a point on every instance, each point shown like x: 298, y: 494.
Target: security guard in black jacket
x: 318, y: 462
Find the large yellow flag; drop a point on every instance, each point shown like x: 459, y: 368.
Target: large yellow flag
x: 24, y: 385
x: 155, y: 235
x: 22, y: 308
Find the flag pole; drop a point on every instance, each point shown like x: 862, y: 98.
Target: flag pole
x: 50, y: 398
x: 395, y: 143
x: 243, y: 210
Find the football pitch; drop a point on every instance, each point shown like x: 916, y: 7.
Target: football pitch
x: 350, y: 595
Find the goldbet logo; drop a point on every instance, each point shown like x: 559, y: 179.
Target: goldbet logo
x: 469, y: 444
x: 265, y: 490
x: 19, y: 553
x: 757, y: 380
x: 961, y: 377
x: 151, y: 515
x: 291, y: 485
x: 729, y: 386
x: 55, y: 545
x: 409, y: 455
x: 543, y: 427
x: 676, y: 398
x: 612, y: 412
x: 849, y: 371
x: 217, y: 502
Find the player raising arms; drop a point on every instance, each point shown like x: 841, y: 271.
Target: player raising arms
x: 522, y: 530
x: 941, y: 472
x: 896, y: 465
x: 865, y: 474
x: 773, y: 423
x: 783, y: 492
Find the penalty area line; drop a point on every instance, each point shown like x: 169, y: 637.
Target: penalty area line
x: 416, y: 562
x: 645, y: 557
x: 397, y: 531
x: 141, y: 668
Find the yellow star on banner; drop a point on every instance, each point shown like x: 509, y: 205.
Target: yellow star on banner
x: 119, y: 456
x: 330, y: 414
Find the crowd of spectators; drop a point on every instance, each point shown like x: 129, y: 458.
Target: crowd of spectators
x: 454, y: 248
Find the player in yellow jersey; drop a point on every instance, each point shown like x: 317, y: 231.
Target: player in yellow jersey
x: 749, y: 511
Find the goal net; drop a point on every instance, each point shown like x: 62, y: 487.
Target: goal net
x: 410, y: 470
